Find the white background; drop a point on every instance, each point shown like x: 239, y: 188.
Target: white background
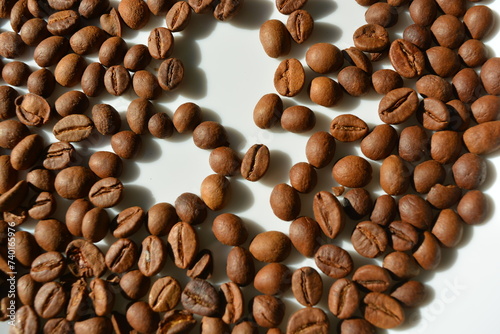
x: 227, y: 72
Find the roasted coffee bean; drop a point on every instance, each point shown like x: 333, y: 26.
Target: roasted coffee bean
x: 469, y: 171
x: 190, y: 208
x: 95, y: 224
x: 215, y: 191
x: 394, y: 175
x: 445, y: 146
x: 134, y: 285
x: 473, y: 53
x: 209, y: 135
x: 385, y: 80
x: 443, y: 196
x: 267, y: 311
x: 200, y: 297
x: 140, y: 315
x: 98, y: 325
x: 415, y: 210
x: 466, y: 84
x: 85, y: 259
x: 43, y: 206
x: 275, y: 38
x: 382, y: 310
x: 138, y: 114
x: 304, y: 234
x: 178, y: 16
x: 433, y: 114
x: 434, y: 86
x: 47, y: 267
x: 160, y: 43
x: 11, y: 45
x: 59, y: 155
x: 50, y: 50
x: 92, y: 79
x: 105, y: 164
x: 50, y: 300
x: 19, y: 14
x: 117, y: 80
x: 34, y: 31
x: 170, y: 74
x: 324, y: 58
x: 410, y: 294
x: 26, y: 248
x: 382, y: 14
x: 126, y: 144
x: 11, y: 199
x: 303, y: 177
x: 229, y: 229
x: 153, y: 256
x: 106, y: 192
x: 478, y: 20
x: 285, y: 202
x: 455, y: 7
x: 489, y: 74
x: 135, y: 13
x: 183, y: 240
x: 348, y: 128
x: 380, y: 142
x: 112, y: 51
x: 352, y: 171
x: 27, y: 320
x: 486, y: 108
x: 270, y: 246
x: 8, y: 96
x: 354, y: 80
x: 289, y: 77
x: 406, y: 58
x: 307, y: 286
x: 268, y: 111
x: 240, y: 267
x: 214, y: 325
x: 227, y: 9
x: 309, y: 319
x: 27, y: 288
x: 320, y: 149
x: 413, y: 143
x: 298, y: 119
x: 419, y: 35
x: 300, y: 24
x: 160, y: 125
x: 32, y: 110
x: 443, y: 61
x: 137, y: 58
x: 372, y: 278
x: 371, y: 38
x: 423, y: 12
x: 473, y: 207
x: 201, y: 6
x: 384, y: 210
x: 72, y: 102
x: 165, y: 294
x: 482, y: 138
x: 404, y: 236
x: 245, y: 327
x: 369, y: 239
x: 41, y: 82
x: 26, y: 152
x: 90, y: 9
x: 112, y: 23
x: 325, y: 91
x: 64, y: 22
x: 289, y: 6
x: 128, y: 221
x: 16, y: 73
x: 233, y: 298
x: 161, y: 218
x: 202, y: 266
x: 225, y: 161
x: 427, y: 174
x: 328, y: 213
x: 272, y: 279
x: 52, y: 235
x: 58, y: 326
x: 178, y: 321
x: 121, y: 255
x: 73, y: 128
x: 69, y: 70
x: 448, y: 228
x: 334, y: 261
x: 401, y: 265
x: 74, y: 216
x: 448, y: 31
x: 356, y: 326
x: 398, y: 105
x: 459, y: 115
x: 428, y: 254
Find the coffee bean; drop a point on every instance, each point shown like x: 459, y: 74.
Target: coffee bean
x: 448, y: 228
x: 423, y: 12
x: 211, y: 324
x: 50, y: 300
x: 58, y: 326
x: 121, y: 255
x: 473, y: 207
x: 303, y: 177
x: 41, y: 82
x: 19, y: 14
x: 135, y: 13
x: 383, y: 311
x: 11, y: 45
x: 354, y: 80
x: 32, y: 110
x: 304, y: 234
x: 128, y: 221
x: 98, y: 325
x: 383, y: 14
x: 275, y: 38
x: 43, y: 206
x: 434, y: 86
x: 448, y: 31
x: 300, y: 24
x: 380, y: 142
x: 272, y: 279
x: 170, y: 74
x: 209, y: 135
x: 177, y: 320
x: 63, y: 22
x: 85, y: 259
x: 95, y: 224
x: 428, y: 254
x: 52, y: 235
x: 73, y: 128
x: 446, y: 146
x: 473, y: 53
x: 307, y: 286
x: 343, y: 298
x: 26, y: 248
x: 285, y: 202
x: 240, y: 267
x: 482, y: 138
x: 47, y: 267
x: 117, y: 80
x: 444, y: 196
x: 289, y: 77
x: 478, y: 20
x: 187, y: 117
x: 352, y: 171
x: 419, y: 35
x: 34, y: 31
x: 394, y: 176
x: 102, y: 297
x: 160, y: 125
x: 137, y: 58
x: 384, y: 210
x: 50, y: 50
x: 348, y: 128
x: 308, y: 319
x: 112, y: 51
x: 298, y: 119
x: 69, y: 70
x: 443, y: 61
x: 268, y: 311
x: 406, y: 58
x: 356, y: 326
x: 92, y: 79
x: 27, y: 320
x: 106, y: 192
x: 398, y: 105
x: 233, y: 299
x: 59, y: 155
x: 324, y: 58
x: 201, y: 6
x: 160, y: 43
x: 486, y: 108
x: 126, y: 144
x: 357, y: 203
x: 190, y: 208
x: 371, y: 38
x: 225, y: 161
x: 215, y: 191
x: 140, y: 315
x: 200, y: 297
x: 165, y: 294
x: 11, y: 199
x: 74, y: 216
x: 372, y: 278
x: 268, y: 111
x: 16, y: 73
x: 153, y: 256
x: 255, y: 163
x: 134, y: 285
x: 229, y: 229
x: 433, y: 114
x: 26, y: 152
x: 161, y: 218
x: 404, y: 236
x: 202, y: 266
x: 334, y: 261
x: 401, y: 265
x: 178, y: 16
x: 8, y: 96
x: 320, y: 149
x: 328, y: 213
x: 410, y: 294
x: 289, y: 6
x: 184, y: 242
x: 227, y: 9
x: 27, y: 288
x: 270, y: 246
x: 466, y: 84
x: 72, y: 102
x: 369, y: 239
x: 90, y: 9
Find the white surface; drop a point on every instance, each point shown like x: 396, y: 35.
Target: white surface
x: 227, y: 72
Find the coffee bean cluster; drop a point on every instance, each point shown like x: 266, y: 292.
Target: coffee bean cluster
x: 439, y: 110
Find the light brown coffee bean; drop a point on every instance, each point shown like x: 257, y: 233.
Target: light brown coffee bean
x: 289, y: 77
x: 304, y: 234
x: 298, y: 119
x: 32, y: 110
x: 406, y: 58
x: 320, y: 149
x: 348, y: 128
x: 275, y: 38
x: 272, y: 279
x: 184, y: 242
x: 285, y: 202
x: 135, y: 13
x: 240, y: 267
x: 69, y: 70
x: 72, y: 102
x: 352, y: 171
x: 153, y: 256
x: 270, y: 246
x: 73, y: 128
x: 93, y: 79
x: 394, y: 176
x: 26, y: 152
x: 383, y: 311
x: 215, y: 191
x: 307, y: 286
x: 328, y: 213
x: 334, y: 261
x: 117, y: 80
x: 178, y: 16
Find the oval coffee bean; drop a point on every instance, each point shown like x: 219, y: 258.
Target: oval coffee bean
x: 178, y: 16
x: 352, y: 171
x: 165, y: 294
x: 320, y: 149
x: 343, y: 298
x: 348, y: 128
x: 73, y: 128
x: 308, y: 320
x: 289, y: 77
x: 307, y: 286
x: 372, y: 278
x: 50, y: 300
x: 285, y: 202
x: 401, y: 265
x: 183, y: 240
x: 272, y: 279
x: 328, y: 213
x: 128, y: 221
x: 383, y: 311
x: 106, y: 192
x: 406, y: 58
x: 304, y: 234
x: 200, y: 297
x: 233, y: 298
x: 275, y: 38
x: 215, y: 191
x: 26, y: 152
x: 404, y: 236
x: 398, y: 105
x: 121, y: 255
x: 270, y: 246
x: 334, y: 261
x: 240, y: 267
x: 153, y: 256
x: 85, y: 259
x: 483, y: 138
x: 170, y: 74
x: 371, y: 38
x: 47, y: 267
x: 369, y: 239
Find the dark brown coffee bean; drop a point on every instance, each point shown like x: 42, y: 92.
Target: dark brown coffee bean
x: 11, y: 199
x: 410, y: 294
x: 473, y: 207
x: 309, y: 319
x: 137, y: 58
x: 473, y: 53
x: 128, y: 221
x: 382, y: 310
x: 324, y: 58
x: 434, y: 86
x: 32, y: 110
x: 325, y: 91
x: 478, y: 20
x: 69, y: 70
x: 275, y: 38
x: 112, y: 51
x: 307, y: 286
x: 153, y: 256
x: 27, y: 288
x: 233, y: 298
x: 85, y: 259
x: 403, y: 235
x: 372, y: 278
x: 140, y: 315
x: 126, y: 144
x: 443, y: 61
x: 428, y: 254
x: 304, y: 234
x: 102, y: 297
x: 209, y: 135
x: 92, y: 79
x: 161, y: 218
x: 488, y: 75
x: 398, y: 105
x: 274, y: 278
x: 328, y: 213
x: 99, y: 325
x: 380, y: 142
x: 406, y: 58
x: 448, y: 228
x: 401, y: 265
x: 427, y: 174
x: 382, y: 14
x: 16, y: 73
x: 135, y: 13
x: 95, y: 224
x: 105, y: 164
x: 334, y: 261
x: 300, y: 24
x: 371, y: 38
x: 34, y: 31
x: 268, y: 311
x: 348, y: 128
x: 77, y: 303
x: 90, y: 9
x: 116, y: 80
x: 64, y: 22
x: 41, y: 82
x: 25, y: 247
x: 112, y: 23
x: 384, y: 210
x: 190, y: 208
x: 134, y: 285
x: 455, y: 7
x: 289, y: 77
x: 50, y: 300
x: 413, y: 143
x: 19, y: 14
x: 369, y: 239
x: 448, y: 31
x: 469, y: 171
x: 121, y: 255
x: 419, y: 35
x: 240, y: 267
x: 187, y: 117
x: 200, y: 297
x: 160, y: 43
x: 184, y: 242
x: 26, y: 152
x: 229, y: 229
x: 215, y: 191
x: 270, y: 246
x: 106, y: 192
x: 394, y: 176
x: 179, y: 15
x: 165, y: 294
x: 177, y: 321
x: 43, y: 205
x: 268, y: 111
x: 356, y: 326
x: 486, y: 108
x: 357, y: 203
x: 352, y: 171
x: 49, y: 51
x: 423, y: 12
x: 320, y: 149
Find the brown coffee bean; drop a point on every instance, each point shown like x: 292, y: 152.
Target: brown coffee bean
x: 303, y: 177
x: 270, y: 246
x: 298, y: 119
x: 482, y: 138
x: 100, y: 325
x: 77, y: 302
x: 415, y: 210
x: 43, y: 205
x: 128, y: 221
x: 419, y: 35
x: 348, y: 128
x: 117, y: 80
x: 170, y: 74
x: 285, y: 202
x: 137, y: 58
x: 26, y: 152
x: 486, y: 108
x: 74, y: 216
x: 50, y: 300
x: 105, y: 164
x: 121, y: 255
x: 357, y: 203
x: 58, y: 326
x: 369, y: 239
x: 50, y: 50
x: 202, y: 6
x: 401, y: 265
x: 126, y: 144
x: 227, y: 9
x: 406, y: 58
x: 11, y: 199
x: 138, y: 114
x: 41, y: 82
x: 229, y: 229
x: 356, y: 326
x: 382, y: 14
x: 448, y: 31
x: 328, y: 213
x: 446, y: 146
x: 69, y: 70
x: 161, y: 218
x: 300, y: 24
x: 16, y: 73
x: 275, y: 38
x: 202, y: 266
x: 64, y: 22
x: 209, y: 135
x: 473, y: 207
x: 410, y: 294
x: 26, y: 248
x: 95, y: 224
x: 72, y: 102
x: 434, y: 86
x: 165, y: 294
x: 233, y: 297
x: 307, y: 286
x: 444, y: 196
x: 106, y: 192
x: 380, y: 142
x: 160, y: 125
x: 47, y: 267
x: 289, y: 77
x: 102, y: 297
x: 85, y: 259
x: 90, y: 9
x: 34, y: 31
x: 178, y: 16
x: 325, y: 91
x: 27, y: 288
x: 240, y: 267
x: 214, y: 325
x: 304, y: 234
x: 385, y: 80
x: 473, y: 53
x: 398, y: 105
x: 160, y: 43
x: 320, y: 149
x: 92, y: 80
x: 448, y: 228
x: 26, y: 320
x: 372, y: 278
x: 413, y: 143
x: 352, y: 171
x: 224, y: 161
x: 371, y: 38
x: 404, y: 236
x: 309, y: 319
x: 7, y: 105
x: 52, y: 235
x: 268, y: 111
x: 140, y: 315
x: 488, y: 75
x: 324, y: 58
x: 135, y: 13
x: 267, y: 311
x: 215, y: 191
x: 428, y: 254
x: 32, y: 110
x: 394, y: 175
x: 478, y: 20
x: 334, y: 261
x: 190, y: 208
x: 73, y: 128
x: 455, y: 7
x: 469, y: 171
x: 153, y: 256
x: 288, y: 6
x: 423, y: 12
x: 274, y: 278
x: 200, y: 297
x: 382, y: 310
x: 255, y: 163
x: 427, y: 174
x: 184, y: 242
x: 433, y: 114
x: 112, y: 23
x: 443, y: 61
x: 354, y: 80
x: 177, y: 321
x: 112, y: 51
x: 384, y: 210
x: 134, y: 285
x: 11, y: 45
